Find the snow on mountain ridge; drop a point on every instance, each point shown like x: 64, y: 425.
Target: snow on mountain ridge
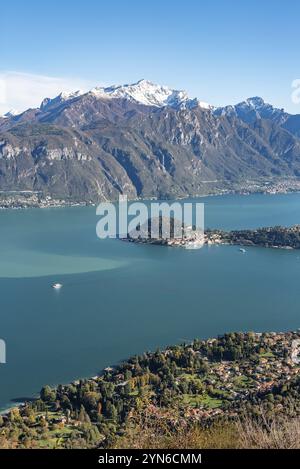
x: 62, y: 97
x: 147, y: 93
x: 10, y: 113
x: 256, y: 102
x: 252, y: 109
x: 143, y: 92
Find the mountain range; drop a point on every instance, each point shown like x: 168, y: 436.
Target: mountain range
x: 145, y: 140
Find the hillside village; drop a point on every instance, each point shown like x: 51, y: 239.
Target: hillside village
x: 196, y: 383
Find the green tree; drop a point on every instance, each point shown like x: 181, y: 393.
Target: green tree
x: 47, y: 394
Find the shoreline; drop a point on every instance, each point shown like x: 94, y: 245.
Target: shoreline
x: 49, y: 202
x: 112, y: 368
x: 276, y: 237
x: 277, y: 353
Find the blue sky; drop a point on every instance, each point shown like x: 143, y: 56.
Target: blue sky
x: 221, y: 51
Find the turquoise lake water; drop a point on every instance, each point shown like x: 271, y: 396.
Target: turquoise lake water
x: 120, y: 299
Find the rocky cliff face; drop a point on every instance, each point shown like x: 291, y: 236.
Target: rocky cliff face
x: 95, y: 146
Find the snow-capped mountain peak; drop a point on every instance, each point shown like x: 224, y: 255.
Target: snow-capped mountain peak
x: 252, y: 109
x: 255, y: 102
x: 143, y: 92
x: 11, y: 113
x: 65, y: 96
x: 62, y: 97
x: 148, y: 93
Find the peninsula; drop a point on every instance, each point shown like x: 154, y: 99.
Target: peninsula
x: 272, y: 237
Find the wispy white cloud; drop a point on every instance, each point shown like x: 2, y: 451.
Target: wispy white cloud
x: 21, y: 91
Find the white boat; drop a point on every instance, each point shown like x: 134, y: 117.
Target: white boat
x: 56, y: 286
x: 242, y: 250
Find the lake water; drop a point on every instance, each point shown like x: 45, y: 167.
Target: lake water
x: 120, y: 299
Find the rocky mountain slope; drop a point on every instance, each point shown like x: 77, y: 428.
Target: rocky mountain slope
x: 256, y: 108
x: 146, y: 141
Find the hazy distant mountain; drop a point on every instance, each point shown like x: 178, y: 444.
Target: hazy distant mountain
x: 144, y: 140
x: 256, y: 108
x: 251, y: 110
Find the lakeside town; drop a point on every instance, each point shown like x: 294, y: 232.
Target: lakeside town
x: 34, y: 199
x: 37, y: 199
x: 277, y: 237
